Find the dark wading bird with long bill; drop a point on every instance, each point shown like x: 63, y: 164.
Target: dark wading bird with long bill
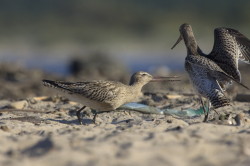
x: 211, y: 73
x: 104, y: 96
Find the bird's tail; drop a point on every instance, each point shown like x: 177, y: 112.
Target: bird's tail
x: 59, y: 85
x: 49, y: 83
x: 219, y: 100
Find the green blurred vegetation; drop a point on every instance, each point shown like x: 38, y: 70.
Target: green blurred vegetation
x: 91, y: 21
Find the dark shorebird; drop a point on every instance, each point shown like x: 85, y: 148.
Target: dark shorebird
x: 211, y: 73
x: 104, y: 96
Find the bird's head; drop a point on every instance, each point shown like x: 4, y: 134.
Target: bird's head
x: 143, y: 78
x: 186, y: 33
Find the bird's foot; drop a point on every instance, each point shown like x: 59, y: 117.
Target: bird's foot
x: 79, y: 116
x: 95, y: 115
x: 205, y: 118
x: 94, y: 118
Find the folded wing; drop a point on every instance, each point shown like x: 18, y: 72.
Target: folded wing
x: 94, y: 90
x: 213, y: 69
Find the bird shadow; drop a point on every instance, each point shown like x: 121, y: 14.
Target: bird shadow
x: 89, y: 121
x: 84, y: 121
x: 41, y: 148
x: 122, y: 121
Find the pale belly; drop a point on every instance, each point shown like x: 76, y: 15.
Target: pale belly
x: 99, y: 106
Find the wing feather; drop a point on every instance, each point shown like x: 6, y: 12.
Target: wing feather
x: 213, y: 69
x: 230, y: 46
x: 94, y: 90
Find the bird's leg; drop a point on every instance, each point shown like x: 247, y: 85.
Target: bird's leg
x: 204, y: 110
x: 78, y: 114
x: 94, y: 118
x: 203, y: 106
x: 207, y: 112
x: 216, y: 112
x: 95, y: 115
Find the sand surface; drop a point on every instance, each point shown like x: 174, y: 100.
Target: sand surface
x: 42, y: 129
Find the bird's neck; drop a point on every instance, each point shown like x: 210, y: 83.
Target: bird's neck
x: 134, y: 91
x: 192, y: 46
x: 136, y: 87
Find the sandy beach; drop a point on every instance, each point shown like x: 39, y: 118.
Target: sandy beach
x: 38, y: 127
x: 86, y: 40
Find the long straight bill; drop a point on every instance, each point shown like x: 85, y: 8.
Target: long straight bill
x: 178, y: 41
x: 158, y: 79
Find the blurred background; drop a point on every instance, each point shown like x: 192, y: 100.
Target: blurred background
x: 63, y: 36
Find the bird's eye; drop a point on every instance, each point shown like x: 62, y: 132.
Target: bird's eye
x: 144, y: 74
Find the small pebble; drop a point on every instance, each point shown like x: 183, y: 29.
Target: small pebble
x: 157, y: 122
x: 47, y: 122
x: 4, y: 128
x: 177, y: 128
x: 19, y: 104
x: 173, y: 96
x: 128, y: 120
x: 10, y: 153
x: 37, y: 124
x: 32, y: 101
x: 239, y: 119
x: 221, y: 117
x: 169, y: 121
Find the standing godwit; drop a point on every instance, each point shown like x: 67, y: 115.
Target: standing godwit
x: 207, y: 72
x: 105, y: 96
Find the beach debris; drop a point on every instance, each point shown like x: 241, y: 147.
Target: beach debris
x: 153, y: 110
x: 173, y: 96
x: 4, y: 104
x: 42, y: 98
x: 19, y: 104
x: 239, y: 119
x: 5, y: 128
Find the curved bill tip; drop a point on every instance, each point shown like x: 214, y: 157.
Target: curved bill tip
x: 177, y: 42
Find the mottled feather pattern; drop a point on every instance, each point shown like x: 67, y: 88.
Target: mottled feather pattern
x: 94, y: 90
x: 229, y: 47
x: 226, y: 52
x: 243, y: 44
x: 211, y: 73
x: 218, y: 99
x: 102, y: 95
x: 206, y: 85
x: 204, y: 62
x: 212, y: 69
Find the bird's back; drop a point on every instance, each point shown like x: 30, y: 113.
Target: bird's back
x: 99, y: 95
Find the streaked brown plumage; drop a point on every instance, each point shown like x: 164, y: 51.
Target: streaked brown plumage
x: 230, y: 46
x: 101, y: 95
x: 220, y: 67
